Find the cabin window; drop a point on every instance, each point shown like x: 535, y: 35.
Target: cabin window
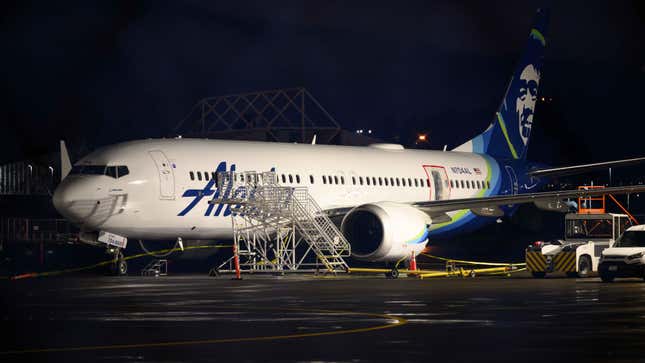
x: 354, y: 180
x: 360, y: 180
x: 409, y: 182
x: 192, y: 175
x: 335, y: 179
x: 311, y: 179
x: 199, y: 175
x: 284, y: 179
x: 398, y: 182
x: 298, y: 178
x: 324, y: 179
x: 416, y: 182
x: 214, y: 175
x: 206, y: 175
x: 428, y: 183
x: 342, y: 180
x: 452, y: 185
x: 488, y: 184
x: 290, y: 179
x: 367, y: 180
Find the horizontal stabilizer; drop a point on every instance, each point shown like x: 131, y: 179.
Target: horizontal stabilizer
x: 579, y: 169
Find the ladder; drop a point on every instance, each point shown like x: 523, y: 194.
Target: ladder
x: 156, y: 268
x: 267, y: 208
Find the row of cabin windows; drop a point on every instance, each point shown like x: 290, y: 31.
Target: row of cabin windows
x: 206, y: 175
x: 391, y: 181
x: 470, y: 184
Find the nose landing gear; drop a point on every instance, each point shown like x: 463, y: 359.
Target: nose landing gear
x: 119, y: 266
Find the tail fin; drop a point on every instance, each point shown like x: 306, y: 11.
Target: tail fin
x: 508, y: 136
x: 65, y: 163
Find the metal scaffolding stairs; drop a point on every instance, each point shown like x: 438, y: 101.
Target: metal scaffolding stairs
x: 266, y: 217
x: 156, y: 268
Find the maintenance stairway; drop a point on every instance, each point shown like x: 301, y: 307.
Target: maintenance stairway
x: 265, y: 219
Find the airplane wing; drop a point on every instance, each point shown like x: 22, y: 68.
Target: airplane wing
x: 489, y: 206
x: 579, y: 169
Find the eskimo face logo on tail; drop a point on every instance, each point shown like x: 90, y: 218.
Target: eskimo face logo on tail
x: 525, y: 101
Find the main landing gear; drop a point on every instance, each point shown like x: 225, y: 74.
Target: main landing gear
x: 392, y: 274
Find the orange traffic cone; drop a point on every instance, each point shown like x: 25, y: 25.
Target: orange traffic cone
x: 413, y: 262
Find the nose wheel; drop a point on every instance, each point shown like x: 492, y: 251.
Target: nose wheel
x: 120, y: 266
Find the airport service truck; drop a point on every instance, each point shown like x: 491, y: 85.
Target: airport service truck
x: 586, y: 235
x: 626, y: 257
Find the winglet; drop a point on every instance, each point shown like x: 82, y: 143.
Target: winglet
x: 65, y: 163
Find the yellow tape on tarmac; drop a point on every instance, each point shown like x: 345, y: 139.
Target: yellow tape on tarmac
x: 474, y: 262
x: 393, y: 321
x: 104, y: 263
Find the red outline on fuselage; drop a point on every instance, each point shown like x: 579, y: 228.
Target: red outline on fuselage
x: 428, y: 179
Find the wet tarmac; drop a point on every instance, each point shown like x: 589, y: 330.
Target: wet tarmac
x: 197, y: 318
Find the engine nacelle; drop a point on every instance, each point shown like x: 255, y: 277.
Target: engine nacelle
x: 386, y: 231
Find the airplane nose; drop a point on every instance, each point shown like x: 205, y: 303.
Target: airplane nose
x: 63, y: 200
x: 79, y: 199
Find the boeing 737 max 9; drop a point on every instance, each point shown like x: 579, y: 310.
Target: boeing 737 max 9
x: 393, y: 200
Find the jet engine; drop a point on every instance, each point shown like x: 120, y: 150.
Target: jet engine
x: 386, y: 231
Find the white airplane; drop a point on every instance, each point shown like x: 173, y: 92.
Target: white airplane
x: 393, y: 199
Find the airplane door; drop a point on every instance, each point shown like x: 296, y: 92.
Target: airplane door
x: 440, y: 183
x: 513, y: 178
x: 166, y: 176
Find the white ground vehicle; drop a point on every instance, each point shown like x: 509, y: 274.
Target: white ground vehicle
x: 586, y: 236
x: 626, y: 257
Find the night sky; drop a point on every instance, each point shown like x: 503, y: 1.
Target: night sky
x: 104, y: 72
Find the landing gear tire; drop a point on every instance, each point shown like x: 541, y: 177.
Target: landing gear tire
x: 607, y: 277
x: 538, y: 274
x: 121, y: 267
x: 584, y: 266
x: 394, y: 274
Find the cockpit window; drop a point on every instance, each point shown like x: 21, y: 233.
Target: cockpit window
x: 111, y: 171
x: 123, y: 170
x: 88, y: 169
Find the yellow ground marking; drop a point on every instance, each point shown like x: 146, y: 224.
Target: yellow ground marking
x: 398, y: 321
x: 103, y: 263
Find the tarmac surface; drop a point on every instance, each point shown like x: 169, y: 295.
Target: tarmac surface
x: 304, y: 318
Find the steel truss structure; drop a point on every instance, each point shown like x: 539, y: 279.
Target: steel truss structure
x: 286, y: 115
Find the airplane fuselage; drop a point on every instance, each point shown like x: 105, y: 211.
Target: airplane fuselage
x: 169, y: 182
